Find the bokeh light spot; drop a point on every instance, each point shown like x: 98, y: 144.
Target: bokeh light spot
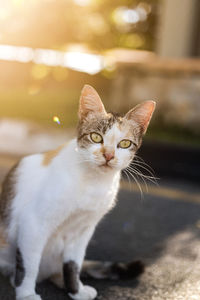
x: 132, y: 40
x: 56, y: 120
x: 39, y: 71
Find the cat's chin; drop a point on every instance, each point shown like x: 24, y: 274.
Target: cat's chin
x: 107, y: 167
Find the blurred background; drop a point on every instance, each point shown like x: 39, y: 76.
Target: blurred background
x: 130, y: 51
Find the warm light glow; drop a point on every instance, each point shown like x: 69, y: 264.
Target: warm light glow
x: 59, y: 73
x: 39, y: 71
x: 12, y: 53
x: 48, y: 57
x: 83, y: 62
x: 142, y: 13
x: 82, y: 2
x: 18, y: 2
x: 124, y: 15
x: 130, y: 16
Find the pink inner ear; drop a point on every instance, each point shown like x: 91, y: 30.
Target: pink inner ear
x: 90, y: 102
x: 142, y: 114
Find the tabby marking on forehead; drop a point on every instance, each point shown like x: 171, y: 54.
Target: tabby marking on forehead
x: 111, y: 119
x: 98, y: 123
x: 50, y: 155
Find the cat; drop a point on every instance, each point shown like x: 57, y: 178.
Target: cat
x: 51, y: 202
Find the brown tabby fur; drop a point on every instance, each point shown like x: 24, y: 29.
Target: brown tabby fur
x: 8, y: 192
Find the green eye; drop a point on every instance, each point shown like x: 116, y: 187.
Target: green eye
x: 96, y: 137
x: 125, y: 144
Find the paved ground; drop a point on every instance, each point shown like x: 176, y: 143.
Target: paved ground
x: 162, y: 229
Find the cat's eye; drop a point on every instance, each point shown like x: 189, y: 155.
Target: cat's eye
x: 125, y: 144
x: 96, y: 137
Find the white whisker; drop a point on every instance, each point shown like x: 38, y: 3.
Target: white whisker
x: 128, y: 178
x: 141, y: 161
x: 141, y: 192
x: 140, y: 176
x: 144, y: 168
x: 150, y: 178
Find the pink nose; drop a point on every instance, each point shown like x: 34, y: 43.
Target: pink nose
x: 108, y: 156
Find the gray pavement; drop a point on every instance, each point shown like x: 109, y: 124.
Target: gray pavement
x: 162, y: 229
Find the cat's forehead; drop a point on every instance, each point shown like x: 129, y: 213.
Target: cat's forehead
x: 101, y: 123
x: 105, y: 123
x: 122, y: 130
x: 112, y: 127
x: 108, y: 125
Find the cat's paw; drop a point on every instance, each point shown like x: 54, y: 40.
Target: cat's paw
x: 86, y: 292
x: 31, y: 297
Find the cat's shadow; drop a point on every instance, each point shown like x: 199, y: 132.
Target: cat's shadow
x: 49, y: 291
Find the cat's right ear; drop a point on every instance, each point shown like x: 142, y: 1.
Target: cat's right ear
x: 90, y: 102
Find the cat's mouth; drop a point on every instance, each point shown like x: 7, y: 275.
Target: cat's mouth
x: 106, y: 165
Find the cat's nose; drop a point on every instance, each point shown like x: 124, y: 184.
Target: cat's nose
x: 108, y: 155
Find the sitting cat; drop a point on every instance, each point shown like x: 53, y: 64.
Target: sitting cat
x: 51, y: 202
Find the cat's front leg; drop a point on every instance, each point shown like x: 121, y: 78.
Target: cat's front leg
x: 73, y: 259
x: 30, y: 244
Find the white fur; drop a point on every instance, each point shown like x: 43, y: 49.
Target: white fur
x: 58, y: 205
x: 85, y: 293
x: 55, y: 211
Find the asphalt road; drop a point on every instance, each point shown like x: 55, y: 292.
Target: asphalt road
x: 162, y: 229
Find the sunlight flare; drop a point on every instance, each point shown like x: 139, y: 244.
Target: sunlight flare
x: 78, y: 61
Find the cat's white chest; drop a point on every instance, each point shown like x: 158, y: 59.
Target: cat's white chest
x: 95, y: 195
x: 87, y: 204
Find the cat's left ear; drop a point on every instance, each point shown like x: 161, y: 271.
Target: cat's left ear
x: 90, y: 102
x: 141, y: 114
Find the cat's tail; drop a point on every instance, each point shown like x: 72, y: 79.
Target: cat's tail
x: 6, y: 265
x: 110, y: 270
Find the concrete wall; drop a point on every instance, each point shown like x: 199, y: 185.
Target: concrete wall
x: 173, y: 84
x: 177, y: 28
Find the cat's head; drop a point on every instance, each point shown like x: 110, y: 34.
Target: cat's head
x: 106, y: 140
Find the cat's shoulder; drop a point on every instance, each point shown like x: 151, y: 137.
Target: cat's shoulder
x: 49, y: 156
x: 43, y: 159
